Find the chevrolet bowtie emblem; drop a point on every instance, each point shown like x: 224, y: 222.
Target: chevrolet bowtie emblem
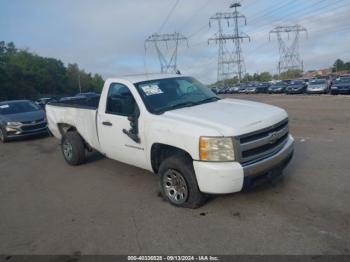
x: 273, y: 137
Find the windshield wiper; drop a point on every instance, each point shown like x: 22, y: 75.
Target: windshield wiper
x: 207, y: 100
x: 177, y: 106
x: 188, y: 104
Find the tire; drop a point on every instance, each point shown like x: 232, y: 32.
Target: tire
x: 73, y: 148
x: 3, y: 136
x: 178, y: 170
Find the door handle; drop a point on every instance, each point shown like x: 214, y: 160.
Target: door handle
x: 106, y: 123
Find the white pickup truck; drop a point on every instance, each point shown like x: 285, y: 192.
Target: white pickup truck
x: 172, y: 125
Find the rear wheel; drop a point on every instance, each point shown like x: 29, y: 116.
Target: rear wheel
x: 178, y: 182
x: 73, y: 148
x: 3, y: 136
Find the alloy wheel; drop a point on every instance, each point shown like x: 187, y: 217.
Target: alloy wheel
x: 175, y: 187
x: 67, y: 150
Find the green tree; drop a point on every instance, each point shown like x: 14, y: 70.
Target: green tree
x: 338, y: 65
x: 24, y: 75
x: 347, y: 66
x: 291, y: 74
x: 265, y: 77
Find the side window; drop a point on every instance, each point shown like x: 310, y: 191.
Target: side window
x: 120, y: 100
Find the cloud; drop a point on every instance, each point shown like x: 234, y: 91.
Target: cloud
x: 108, y: 36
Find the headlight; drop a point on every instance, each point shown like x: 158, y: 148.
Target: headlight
x: 13, y: 123
x: 216, y: 149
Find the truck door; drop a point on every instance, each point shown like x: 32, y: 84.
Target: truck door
x: 113, y: 127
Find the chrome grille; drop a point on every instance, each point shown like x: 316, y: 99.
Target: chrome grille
x: 258, y: 145
x: 33, y: 122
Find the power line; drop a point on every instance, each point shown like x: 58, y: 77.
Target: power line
x: 168, y: 16
x: 269, y: 11
x: 296, y: 11
x: 197, y: 11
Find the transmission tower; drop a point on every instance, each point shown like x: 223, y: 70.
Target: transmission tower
x: 163, y: 44
x: 230, y: 61
x: 289, y: 55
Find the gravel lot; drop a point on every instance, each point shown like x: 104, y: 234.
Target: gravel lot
x: 106, y: 207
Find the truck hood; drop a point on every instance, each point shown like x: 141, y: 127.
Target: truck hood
x: 230, y: 117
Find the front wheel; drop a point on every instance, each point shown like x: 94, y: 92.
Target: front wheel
x: 178, y: 182
x: 73, y: 148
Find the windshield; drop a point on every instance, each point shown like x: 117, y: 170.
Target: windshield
x: 296, y: 83
x: 172, y: 93
x: 317, y: 82
x: 17, y: 107
x: 279, y: 84
x: 343, y: 80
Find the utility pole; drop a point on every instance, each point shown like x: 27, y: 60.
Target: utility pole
x: 230, y: 62
x: 79, y: 85
x: 163, y: 43
x: 289, y: 55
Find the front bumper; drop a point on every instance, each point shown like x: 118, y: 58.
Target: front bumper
x: 294, y: 91
x: 228, y: 177
x: 316, y: 91
x: 272, y: 162
x: 276, y: 91
x: 340, y: 90
x: 26, y: 130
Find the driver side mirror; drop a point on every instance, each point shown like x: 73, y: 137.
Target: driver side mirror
x: 133, y: 132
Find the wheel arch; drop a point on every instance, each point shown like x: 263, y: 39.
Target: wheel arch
x: 160, y: 151
x: 65, y: 128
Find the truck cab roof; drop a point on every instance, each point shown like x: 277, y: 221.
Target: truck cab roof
x: 144, y: 77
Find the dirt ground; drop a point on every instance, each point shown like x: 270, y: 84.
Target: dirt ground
x: 106, y: 207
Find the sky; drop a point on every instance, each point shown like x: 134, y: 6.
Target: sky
x: 107, y: 36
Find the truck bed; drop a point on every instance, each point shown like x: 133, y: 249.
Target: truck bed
x: 82, y: 116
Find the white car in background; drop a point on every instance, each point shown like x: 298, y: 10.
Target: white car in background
x: 317, y: 86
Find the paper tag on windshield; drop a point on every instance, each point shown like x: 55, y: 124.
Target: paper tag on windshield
x: 151, y: 90
x: 4, y: 106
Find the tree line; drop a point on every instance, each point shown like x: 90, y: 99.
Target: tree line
x: 340, y: 65
x: 25, y: 75
x: 262, y: 77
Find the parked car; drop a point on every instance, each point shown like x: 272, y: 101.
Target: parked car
x: 243, y: 87
x: 263, y: 87
x: 43, y: 101
x: 222, y: 90
x: 317, y: 86
x: 196, y: 142
x: 215, y: 90
x: 278, y: 87
x: 88, y: 94
x: 234, y: 89
x: 225, y: 90
x: 341, y: 86
x: 296, y: 87
x: 21, y: 118
x: 252, y: 87
x: 72, y: 99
